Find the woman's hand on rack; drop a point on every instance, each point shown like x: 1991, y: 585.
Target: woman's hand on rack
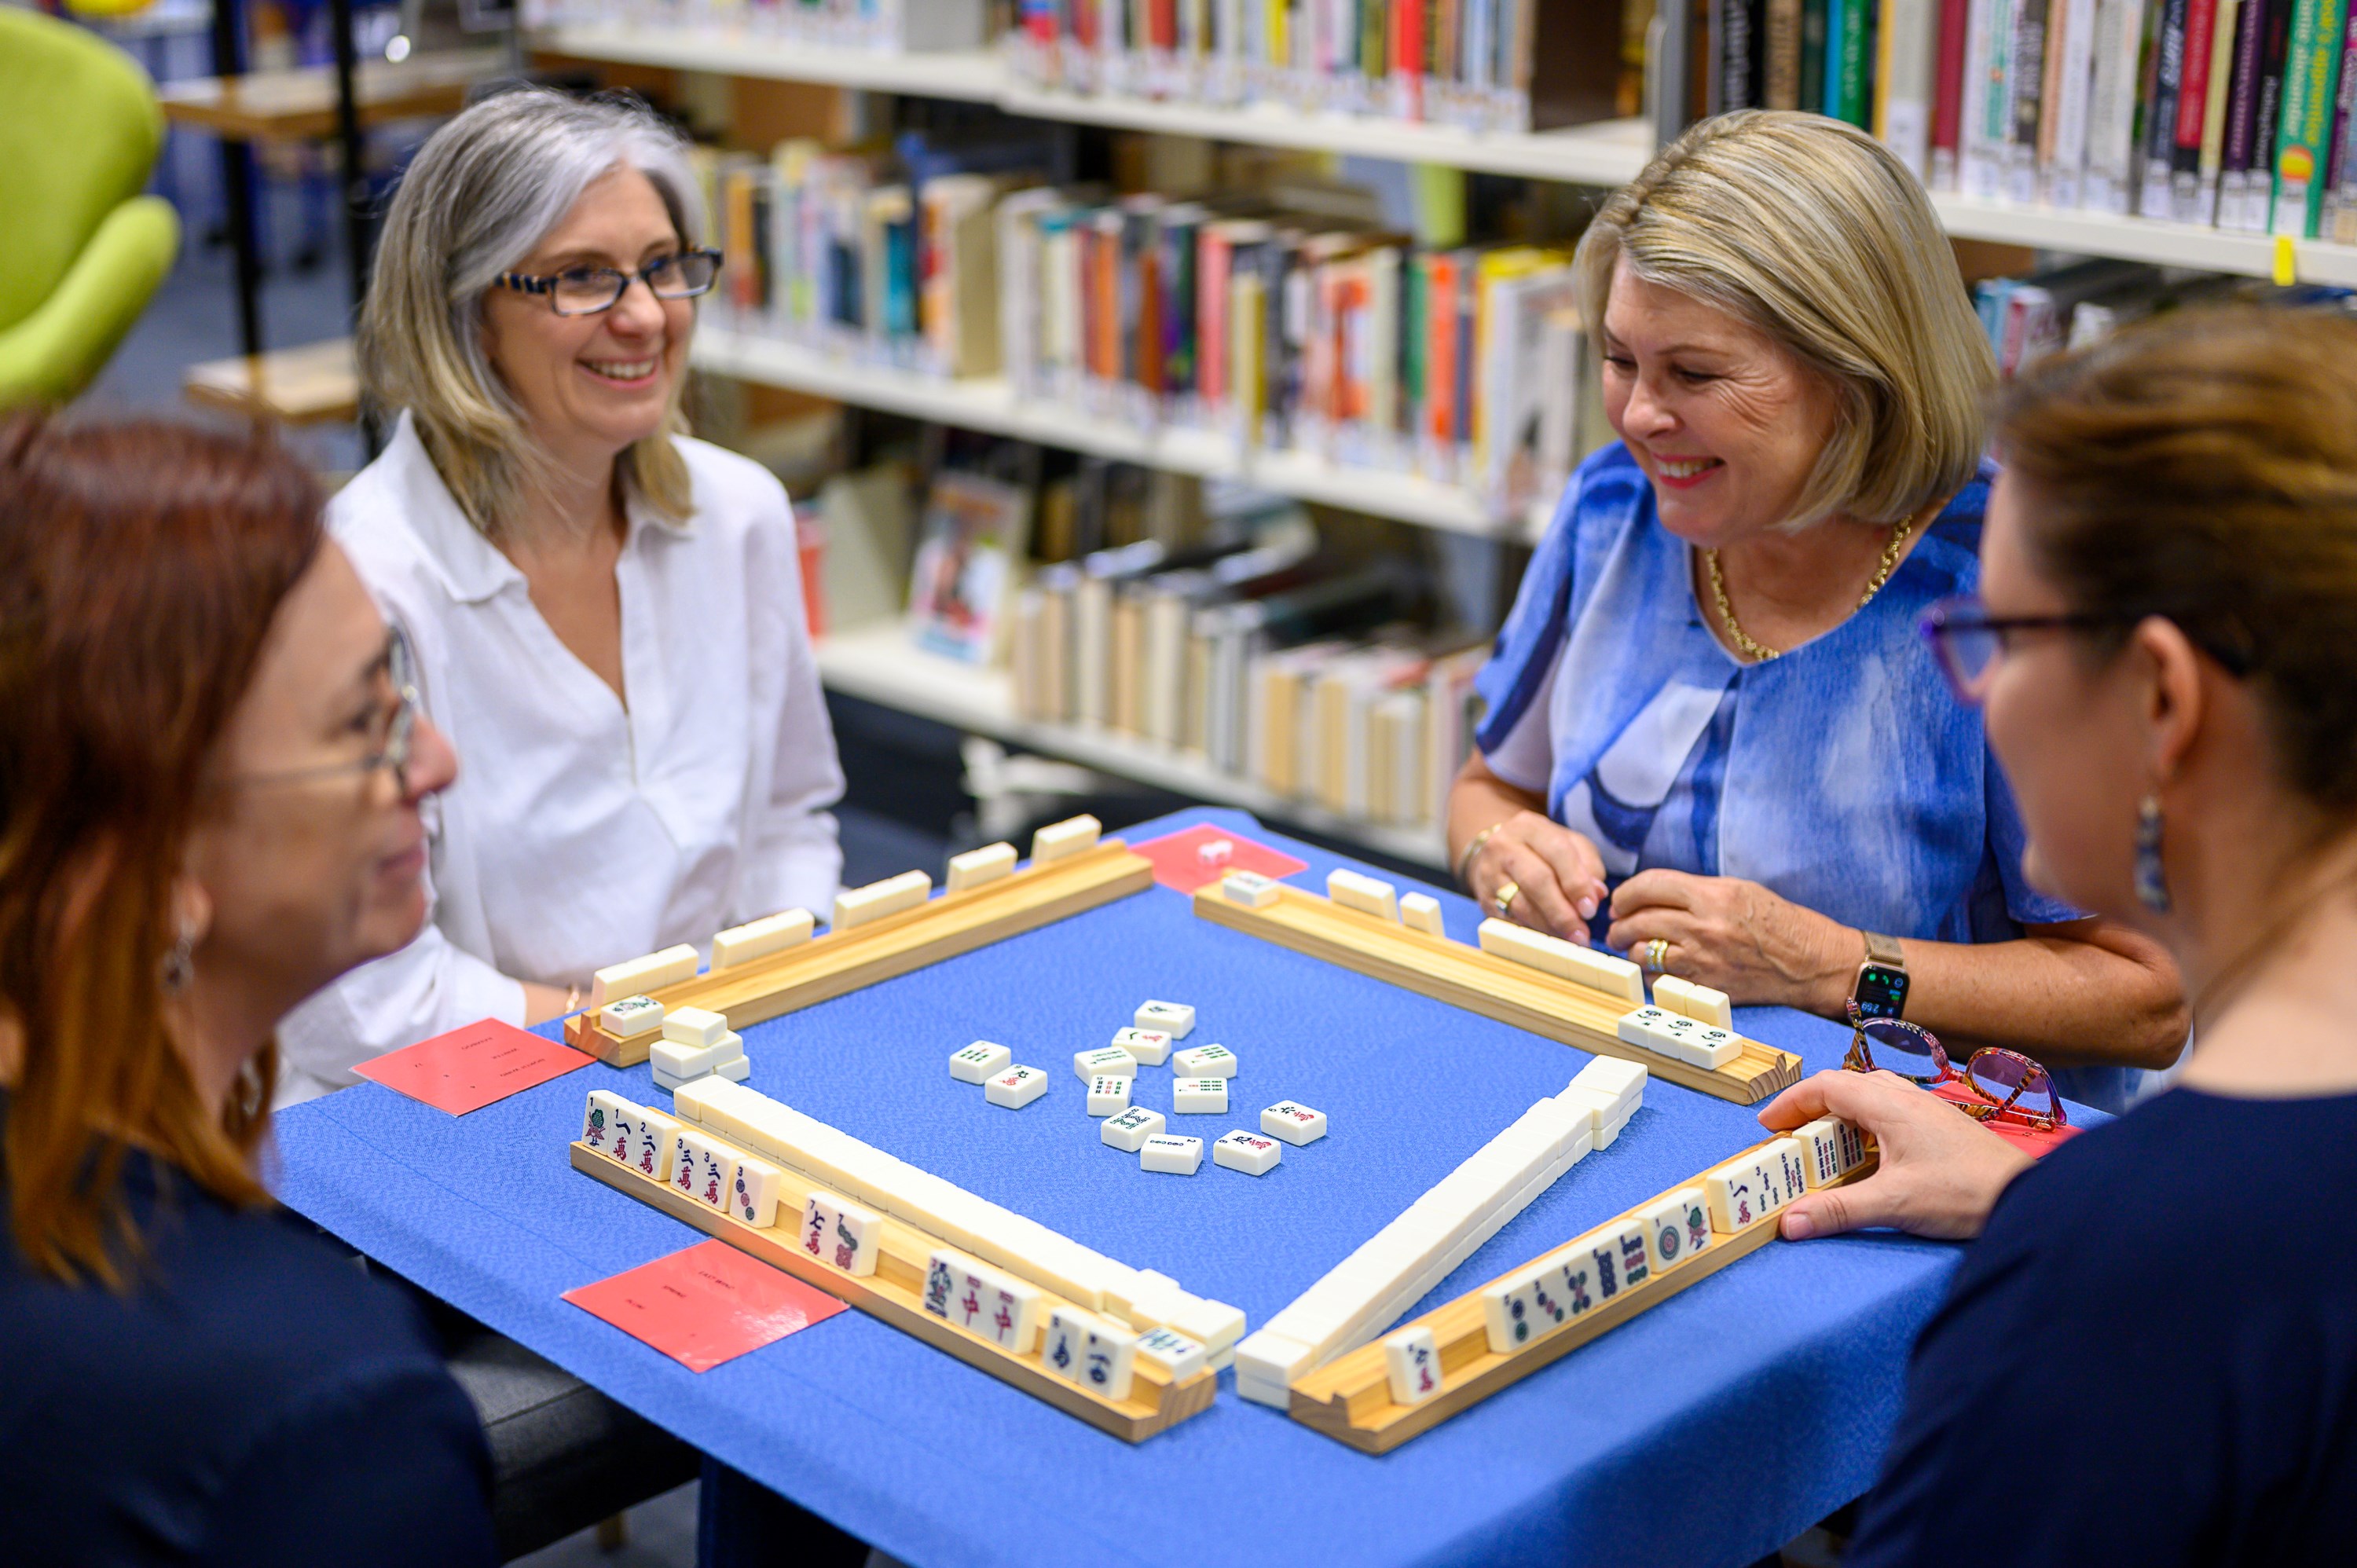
x: 1939, y: 1172
x: 1734, y: 936
x: 1557, y: 874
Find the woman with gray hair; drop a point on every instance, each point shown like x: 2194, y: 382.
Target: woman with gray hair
x: 606, y: 615
x: 1712, y: 739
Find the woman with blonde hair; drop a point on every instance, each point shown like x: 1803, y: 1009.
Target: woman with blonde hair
x: 1709, y: 740
x: 2150, y: 1352
x: 607, y: 613
x: 212, y: 774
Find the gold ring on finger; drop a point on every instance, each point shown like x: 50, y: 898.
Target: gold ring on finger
x: 1504, y: 897
x: 1657, y: 955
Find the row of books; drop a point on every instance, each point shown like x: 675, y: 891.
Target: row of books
x: 1504, y: 65
x: 2074, y: 303
x: 888, y: 25
x: 2231, y: 114
x: 1340, y: 339
x: 1275, y: 663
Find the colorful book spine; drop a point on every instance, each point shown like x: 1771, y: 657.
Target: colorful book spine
x: 2242, y: 113
x: 1948, y: 100
x: 1736, y: 52
x: 2025, y: 79
x: 2062, y: 174
x: 2213, y: 114
x: 2160, y: 108
x: 2312, y: 72
x: 1907, y: 50
x: 2193, y: 107
x: 2339, y: 220
x: 1849, y: 26
x: 1815, y: 23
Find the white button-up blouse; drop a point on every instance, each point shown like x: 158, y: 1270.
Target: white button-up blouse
x: 580, y: 832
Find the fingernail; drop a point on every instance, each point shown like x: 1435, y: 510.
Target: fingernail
x: 1586, y: 907
x: 1797, y: 1226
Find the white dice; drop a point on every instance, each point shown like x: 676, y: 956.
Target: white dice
x: 1199, y: 1097
x: 1254, y: 1153
x: 1147, y: 1048
x: 1129, y: 1130
x: 1175, y: 1155
x: 1104, y: 1059
x: 1109, y: 1094
x: 1204, y: 1061
x: 1175, y: 1018
x: 980, y: 1062
x: 1016, y: 1087
x: 1293, y: 1122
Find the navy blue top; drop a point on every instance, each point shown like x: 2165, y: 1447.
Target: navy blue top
x: 254, y: 1400
x: 2150, y: 1356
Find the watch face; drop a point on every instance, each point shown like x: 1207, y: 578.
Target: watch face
x: 1882, y: 991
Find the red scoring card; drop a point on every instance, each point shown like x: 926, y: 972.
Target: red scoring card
x: 1179, y: 863
x: 707, y: 1305
x: 471, y: 1067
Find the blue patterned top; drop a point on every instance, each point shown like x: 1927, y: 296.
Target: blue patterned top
x: 1845, y: 776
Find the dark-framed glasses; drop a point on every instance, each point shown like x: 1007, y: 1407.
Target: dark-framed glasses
x: 2010, y: 1086
x: 1966, y: 639
x: 397, y: 731
x: 585, y: 291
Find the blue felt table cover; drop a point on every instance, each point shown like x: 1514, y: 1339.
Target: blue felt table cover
x: 1707, y: 1431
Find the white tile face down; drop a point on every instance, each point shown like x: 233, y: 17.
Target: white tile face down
x: 1129, y: 1130
x: 1699, y: 1002
x: 1108, y: 1361
x: 1610, y: 1075
x: 1147, y: 1048
x: 1176, y: 1019
x: 1016, y: 1087
x: 753, y: 1187
x: 1368, y: 895
x: 651, y: 972
x: 1104, y: 1059
x: 1199, y: 1097
x: 1073, y: 835
x: 1254, y: 1153
x: 1421, y: 911
x: 735, y: 1069
x: 1293, y: 1122
x: 1249, y: 888
x: 1178, y: 1356
x: 604, y: 1122
x: 1172, y: 1155
x: 631, y: 1017
x: 980, y: 1062
x: 1205, y: 1061
x: 1108, y: 1095
x: 760, y: 938
x: 1216, y: 1324
x: 978, y: 866
x: 1412, y: 1360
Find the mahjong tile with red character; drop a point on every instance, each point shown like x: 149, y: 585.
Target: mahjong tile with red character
x: 605, y: 1122
x: 1412, y: 1362
x: 855, y: 1238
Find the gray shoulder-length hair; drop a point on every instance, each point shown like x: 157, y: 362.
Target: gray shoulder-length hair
x: 477, y: 198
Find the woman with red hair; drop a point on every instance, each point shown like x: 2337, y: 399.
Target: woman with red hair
x: 211, y: 770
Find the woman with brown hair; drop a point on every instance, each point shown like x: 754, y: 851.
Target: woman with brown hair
x: 2150, y: 1356
x: 211, y: 770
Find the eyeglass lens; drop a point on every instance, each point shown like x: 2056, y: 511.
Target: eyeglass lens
x: 1900, y: 1050
x: 1997, y: 1074
x: 589, y: 289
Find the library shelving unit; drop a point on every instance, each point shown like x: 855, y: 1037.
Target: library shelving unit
x: 878, y: 663
x: 881, y: 665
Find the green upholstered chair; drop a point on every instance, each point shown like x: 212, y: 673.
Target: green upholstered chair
x: 82, y: 251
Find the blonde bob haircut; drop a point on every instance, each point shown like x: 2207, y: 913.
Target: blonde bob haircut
x: 1810, y: 231
x: 482, y: 192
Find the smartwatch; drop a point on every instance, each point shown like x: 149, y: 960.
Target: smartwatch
x: 1880, y: 989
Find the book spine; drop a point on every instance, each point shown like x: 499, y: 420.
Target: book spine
x: 2025, y: 77
x: 1948, y: 96
x: 2160, y: 109
x: 2275, y: 54
x: 2334, y: 219
x: 1734, y: 43
x: 1989, y: 106
x: 2223, y: 37
x: 2242, y: 113
x: 2310, y: 73
x: 2192, y: 108
x: 1908, y: 47
x: 1782, y: 88
x: 1856, y: 64
x: 2064, y: 179
x: 1816, y: 22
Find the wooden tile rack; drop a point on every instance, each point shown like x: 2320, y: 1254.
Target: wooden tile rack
x: 1483, y: 982
x: 840, y: 961
x: 1349, y: 1399
x: 894, y: 1293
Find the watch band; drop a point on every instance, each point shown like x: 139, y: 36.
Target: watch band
x: 1880, y: 949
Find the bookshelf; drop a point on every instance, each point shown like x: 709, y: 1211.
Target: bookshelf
x: 1604, y: 154
x: 879, y: 663
x: 990, y: 406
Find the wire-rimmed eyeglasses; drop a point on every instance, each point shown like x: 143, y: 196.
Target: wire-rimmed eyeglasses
x: 398, y: 729
x: 585, y: 291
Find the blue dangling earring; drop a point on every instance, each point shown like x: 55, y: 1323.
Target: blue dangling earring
x: 2151, y: 878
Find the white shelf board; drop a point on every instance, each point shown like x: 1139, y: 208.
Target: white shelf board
x: 972, y: 74
x: 991, y: 405
x: 881, y: 664
x: 2142, y: 240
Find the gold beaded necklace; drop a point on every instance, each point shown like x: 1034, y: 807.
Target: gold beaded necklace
x: 1759, y: 652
